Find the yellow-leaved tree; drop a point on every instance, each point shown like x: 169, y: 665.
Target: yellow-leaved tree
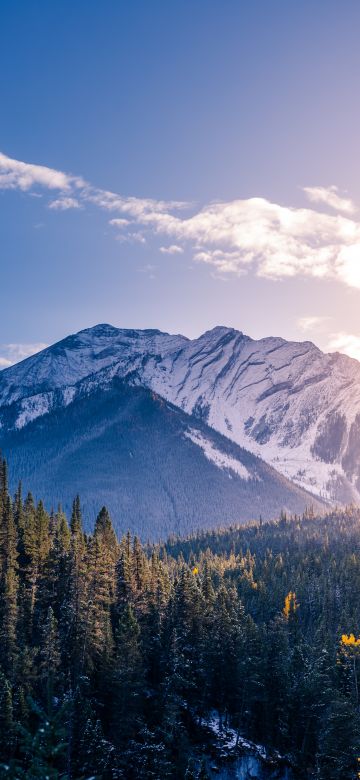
x: 350, y: 654
x: 291, y: 605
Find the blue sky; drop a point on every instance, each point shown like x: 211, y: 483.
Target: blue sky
x: 245, y: 113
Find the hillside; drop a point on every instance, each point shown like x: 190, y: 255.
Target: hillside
x: 158, y: 470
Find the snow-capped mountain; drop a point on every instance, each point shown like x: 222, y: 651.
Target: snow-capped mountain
x: 287, y: 402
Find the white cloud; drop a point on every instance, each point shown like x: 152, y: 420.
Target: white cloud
x: 173, y: 249
x: 345, y: 342
x: 119, y: 223
x: 275, y: 241
x: 330, y: 197
x: 63, y: 204
x: 137, y: 208
x: 311, y: 323
x: 131, y: 238
x: 15, y: 174
x: 236, y: 237
x: 13, y: 353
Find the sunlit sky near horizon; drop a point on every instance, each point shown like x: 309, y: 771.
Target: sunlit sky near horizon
x: 179, y: 165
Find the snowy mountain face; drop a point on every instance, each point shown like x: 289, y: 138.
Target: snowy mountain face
x: 289, y: 403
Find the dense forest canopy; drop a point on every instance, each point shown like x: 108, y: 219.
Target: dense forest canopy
x: 114, y: 657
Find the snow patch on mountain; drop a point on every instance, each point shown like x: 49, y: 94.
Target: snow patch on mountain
x: 31, y: 408
x: 220, y: 459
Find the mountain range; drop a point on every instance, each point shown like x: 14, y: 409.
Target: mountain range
x: 175, y: 434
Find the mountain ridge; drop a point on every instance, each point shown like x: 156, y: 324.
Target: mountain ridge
x: 287, y: 402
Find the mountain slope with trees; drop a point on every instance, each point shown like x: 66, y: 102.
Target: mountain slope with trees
x: 158, y: 470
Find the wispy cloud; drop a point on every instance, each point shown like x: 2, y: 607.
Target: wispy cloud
x: 15, y: 174
x: 348, y: 343
x: 136, y: 208
x: 271, y: 240
x: 148, y: 269
x: 331, y: 197
x: 119, y: 223
x: 312, y: 323
x: 131, y: 238
x: 13, y: 353
x: 63, y: 204
x: 173, y: 249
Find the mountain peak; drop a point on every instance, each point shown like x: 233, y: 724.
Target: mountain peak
x: 101, y: 328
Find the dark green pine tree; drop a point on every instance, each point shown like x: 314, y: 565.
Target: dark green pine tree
x: 339, y: 743
x: 42, y: 520
x: 147, y: 757
x: 19, y: 509
x: 44, y: 745
x: 55, y: 583
x: 278, y: 683
x: 127, y: 678
x: 50, y: 659
x: 124, y: 580
x: 105, y: 534
x: 76, y: 518
x: 9, y: 585
x: 102, y: 553
x: 62, y: 535
x: 75, y: 607
x: 28, y: 569
x: 96, y: 754
x: 152, y: 638
x: 4, y: 491
x: 187, y: 618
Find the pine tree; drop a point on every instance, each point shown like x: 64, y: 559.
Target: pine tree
x: 74, y: 609
x: 28, y: 569
x: 76, y: 518
x: 127, y: 678
x: 105, y: 534
x: 95, y: 752
x: 101, y: 559
x: 339, y: 741
x: 44, y: 746
x: 9, y: 585
x: 50, y: 657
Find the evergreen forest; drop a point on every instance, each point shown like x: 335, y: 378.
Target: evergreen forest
x: 116, y: 657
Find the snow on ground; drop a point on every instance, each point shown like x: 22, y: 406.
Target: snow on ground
x: 230, y: 739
